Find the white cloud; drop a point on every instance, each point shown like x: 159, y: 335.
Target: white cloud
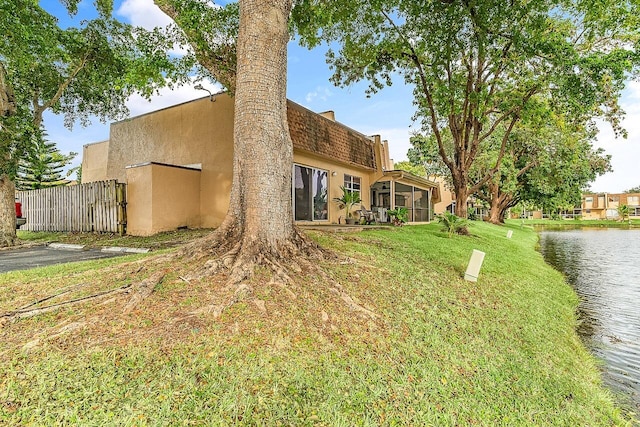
x: 143, y: 13
x: 167, y: 97
x: 321, y: 93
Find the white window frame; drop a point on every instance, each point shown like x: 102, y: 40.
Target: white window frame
x: 350, y: 183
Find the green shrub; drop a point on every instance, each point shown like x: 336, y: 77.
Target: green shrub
x: 399, y: 215
x: 453, y: 224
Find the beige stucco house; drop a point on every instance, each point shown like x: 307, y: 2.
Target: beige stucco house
x: 177, y: 164
x: 605, y: 205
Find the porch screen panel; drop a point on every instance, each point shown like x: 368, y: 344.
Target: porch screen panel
x: 404, y: 197
x: 420, y: 205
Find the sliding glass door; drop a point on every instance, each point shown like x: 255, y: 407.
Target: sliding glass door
x: 310, y: 192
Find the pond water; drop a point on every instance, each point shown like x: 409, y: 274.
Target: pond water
x: 604, y: 267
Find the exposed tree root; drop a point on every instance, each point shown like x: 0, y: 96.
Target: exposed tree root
x: 34, y: 311
x: 239, y: 258
x: 141, y: 291
x: 234, y: 265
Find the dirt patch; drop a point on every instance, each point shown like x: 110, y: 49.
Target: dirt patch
x: 177, y: 309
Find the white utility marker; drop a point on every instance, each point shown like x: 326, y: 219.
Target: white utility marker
x: 509, y: 234
x: 473, y: 269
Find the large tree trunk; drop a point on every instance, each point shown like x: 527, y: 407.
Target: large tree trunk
x: 495, y: 212
x: 263, y: 153
x: 462, y: 194
x: 7, y: 98
x: 7, y: 187
x: 495, y: 203
x: 259, y: 228
x: 7, y: 212
x: 500, y: 203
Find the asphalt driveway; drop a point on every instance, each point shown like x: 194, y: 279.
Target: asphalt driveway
x: 39, y: 256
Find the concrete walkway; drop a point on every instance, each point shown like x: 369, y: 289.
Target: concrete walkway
x: 39, y: 256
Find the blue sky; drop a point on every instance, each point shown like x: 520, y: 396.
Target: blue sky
x: 387, y: 113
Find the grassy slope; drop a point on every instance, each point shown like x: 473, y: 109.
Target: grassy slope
x: 443, y: 352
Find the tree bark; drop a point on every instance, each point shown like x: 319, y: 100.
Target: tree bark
x: 7, y: 97
x: 462, y: 194
x: 7, y: 212
x: 500, y: 202
x: 263, y: 151
x: 7, y: 186
x: 494, y: 202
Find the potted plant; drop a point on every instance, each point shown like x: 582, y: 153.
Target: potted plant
x: 346, y: 202
x: 399, y: 215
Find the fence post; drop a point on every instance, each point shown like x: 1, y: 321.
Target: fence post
x: 121, y: 200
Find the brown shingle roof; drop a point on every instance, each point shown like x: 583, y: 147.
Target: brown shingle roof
x: 316, y: 134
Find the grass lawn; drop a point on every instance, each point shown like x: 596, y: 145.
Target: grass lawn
x: 159, y: 241
x: 576, y: 222
x: 440, y: 351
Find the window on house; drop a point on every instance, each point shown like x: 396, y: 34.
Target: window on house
x: 310, y: 193
x: 633, y: 200
x: 588, y: 199
x: 352, y: 183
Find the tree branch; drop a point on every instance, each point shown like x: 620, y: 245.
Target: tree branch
x: 221, y: 66
x: 427, y: 91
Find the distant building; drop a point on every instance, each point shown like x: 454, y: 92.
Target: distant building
x: 605, y: 205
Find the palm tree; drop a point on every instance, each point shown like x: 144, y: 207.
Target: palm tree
x: 347, y: 201
x: 623, y: 211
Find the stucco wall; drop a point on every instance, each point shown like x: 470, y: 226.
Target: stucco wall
x: 195, y: 133
x: 139, y: 201
x: 162, y: 198
x: 446, y: 197
x: 94, y: 161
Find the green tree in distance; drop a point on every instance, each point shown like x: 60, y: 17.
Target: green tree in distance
x: 77, y: 72
x: 633, y: 190
x: 545, y: 152
x: 406, y: 165
x: 43, y: 166
x: 475, y: 66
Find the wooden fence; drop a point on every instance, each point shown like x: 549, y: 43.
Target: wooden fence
x: 95, y: 206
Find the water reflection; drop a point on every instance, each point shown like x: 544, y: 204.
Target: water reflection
x: 604, y: 267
